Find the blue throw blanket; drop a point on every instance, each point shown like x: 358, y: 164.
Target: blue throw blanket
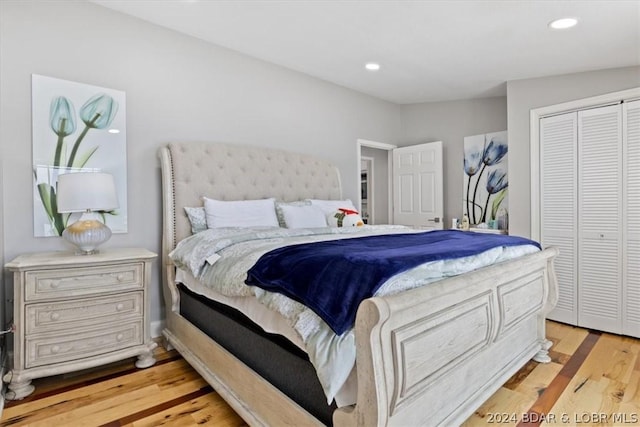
x: 333, y: 277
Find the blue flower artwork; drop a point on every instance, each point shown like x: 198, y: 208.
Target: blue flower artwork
x: 485, y: 177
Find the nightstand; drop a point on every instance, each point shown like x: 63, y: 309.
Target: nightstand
x: 73, y: 312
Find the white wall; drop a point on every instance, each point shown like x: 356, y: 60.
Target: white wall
x: 450, y: 122
x: 178, y: 88
x: 525, y: 95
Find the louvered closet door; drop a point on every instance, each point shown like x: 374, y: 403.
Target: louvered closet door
x: 600, y: 224
x: 631, y: 236
x: 558, y: 206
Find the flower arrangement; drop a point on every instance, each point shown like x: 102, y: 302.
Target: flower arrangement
x: 96, y: 113
x: 478, y: 159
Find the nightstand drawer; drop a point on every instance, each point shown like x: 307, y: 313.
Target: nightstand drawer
x: 65, y: 283
x: 64, y: 348
x: 80, y: 313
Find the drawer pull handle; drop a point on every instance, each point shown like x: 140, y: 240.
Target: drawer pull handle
x: 55, y: 284
x: 55, y: 349
x: 55, y: 316
x: 120, y: 277
x: 119, y: 337
x: 119, y: 307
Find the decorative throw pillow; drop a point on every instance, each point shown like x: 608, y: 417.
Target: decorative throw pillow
x: 330, y: 206
x: 345, y: 218
x: 305, y: 216
x: 197, y: 219
x: 240, y: 213
x: 280, y: 214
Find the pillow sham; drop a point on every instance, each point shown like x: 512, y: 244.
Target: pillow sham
x: 305, y: 216
x: 197, y: 219
x: 280, y: 214
x: 240, y: 213
x: 330, y: 206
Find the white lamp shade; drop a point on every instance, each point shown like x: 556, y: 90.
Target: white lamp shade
x: 82, y: 191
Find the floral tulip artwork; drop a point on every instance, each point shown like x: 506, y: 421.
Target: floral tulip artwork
x: 97, y: 113
x: 496, y: 182
x: 494, y: 152
x: 472, y: 162
x: 63, y: 122
x: 485, y: 176
x: 66, y: 141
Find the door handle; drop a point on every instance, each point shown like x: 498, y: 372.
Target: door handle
x: 436, y: 220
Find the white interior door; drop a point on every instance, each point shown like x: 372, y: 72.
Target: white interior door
x: 559, y: 207
x: 599, y: 226
x: 417, y: 186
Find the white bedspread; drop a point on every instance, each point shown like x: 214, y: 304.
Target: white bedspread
x: 220, y: 258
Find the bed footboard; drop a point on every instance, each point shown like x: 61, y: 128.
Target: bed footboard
x: 433, y: 355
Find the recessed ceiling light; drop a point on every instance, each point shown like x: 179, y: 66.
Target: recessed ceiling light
x: 563, y: 24
x: 114, y: 131
x: 372, y: 66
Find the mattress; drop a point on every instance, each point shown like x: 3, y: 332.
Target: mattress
x: 267, y: 320
x: 271, y: 356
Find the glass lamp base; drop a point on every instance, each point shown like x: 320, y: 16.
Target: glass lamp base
x: 87, y: 235
x: 83, y: 252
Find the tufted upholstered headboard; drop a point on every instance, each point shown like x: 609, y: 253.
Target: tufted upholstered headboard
x: 236, y: 172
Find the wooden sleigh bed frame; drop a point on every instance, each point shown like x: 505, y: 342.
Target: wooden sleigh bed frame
x: 428, y: 356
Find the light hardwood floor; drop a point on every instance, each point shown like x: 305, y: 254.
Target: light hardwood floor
x: 593, y: 379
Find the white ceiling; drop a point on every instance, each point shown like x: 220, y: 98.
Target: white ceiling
x: 428, y: 50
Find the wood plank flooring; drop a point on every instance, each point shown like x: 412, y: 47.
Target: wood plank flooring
x: 593, y: 379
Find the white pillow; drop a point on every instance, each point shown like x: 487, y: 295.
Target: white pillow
x: 279, y: 206
x: 305, y: 216
x: 240, y: 213
x: 330, y: 206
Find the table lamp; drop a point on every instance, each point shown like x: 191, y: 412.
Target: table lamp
x: 86, y: 192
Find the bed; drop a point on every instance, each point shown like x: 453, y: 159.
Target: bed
x: 426, y: 356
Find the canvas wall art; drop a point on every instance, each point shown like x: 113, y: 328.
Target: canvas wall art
x: 486, y: 180
x: 76, y: 127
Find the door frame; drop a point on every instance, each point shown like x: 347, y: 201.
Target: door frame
x: 534, y: 138
x: 380, y: 146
